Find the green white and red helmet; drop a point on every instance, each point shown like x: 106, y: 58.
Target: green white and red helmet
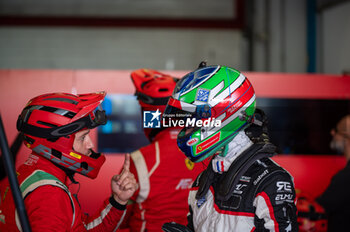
x: 49, y: 123
x: 212, y: 93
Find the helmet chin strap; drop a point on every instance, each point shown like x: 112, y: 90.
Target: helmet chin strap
x: 71, y: 177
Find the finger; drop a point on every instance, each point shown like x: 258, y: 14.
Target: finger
x: 127, y: 180
x: 114, y: 182
x: 128, y: 176
x: 130, y: 187
x: 116, y: 177
x: 124, y: 175
x: 126, y: 165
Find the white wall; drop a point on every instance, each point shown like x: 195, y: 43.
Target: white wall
x: 286, y: 37
x: 335, y: 43
x: 93, y: 48
x: 182, y: 49
x: 284, y: 34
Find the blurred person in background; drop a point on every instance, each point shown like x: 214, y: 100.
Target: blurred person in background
x: 242, y: 189
x: 56, y: 128
x: 335, y: 199
x: 162, y: 171
x: 311, y: 215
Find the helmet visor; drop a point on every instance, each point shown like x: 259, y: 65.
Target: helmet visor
x: 181, y: 110
x: 92, y: 120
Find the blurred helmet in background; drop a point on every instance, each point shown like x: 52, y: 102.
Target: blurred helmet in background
x: 153, y: 90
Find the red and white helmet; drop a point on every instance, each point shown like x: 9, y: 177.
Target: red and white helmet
x: 153, y: 90
x: 49, y: 123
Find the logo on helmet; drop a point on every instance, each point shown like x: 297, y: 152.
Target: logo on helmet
x: 202, y: 95
x: 192, y: 141
x: 207, y: 143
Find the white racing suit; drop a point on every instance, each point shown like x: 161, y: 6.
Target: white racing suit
x: 244, y: 191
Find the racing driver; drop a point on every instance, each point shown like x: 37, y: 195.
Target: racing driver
x: 56, y: 128
x: 242, y: 189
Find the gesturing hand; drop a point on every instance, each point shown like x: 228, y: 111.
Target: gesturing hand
x: 124, y: 185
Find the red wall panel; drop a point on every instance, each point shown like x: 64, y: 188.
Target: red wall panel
x: 312, y: 173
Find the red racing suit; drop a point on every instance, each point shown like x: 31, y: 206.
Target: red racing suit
x: 50, y: 205
x: 165, y: 177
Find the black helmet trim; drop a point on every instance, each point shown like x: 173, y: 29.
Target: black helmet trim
x: 71, y: 101
x: 151, y: 100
